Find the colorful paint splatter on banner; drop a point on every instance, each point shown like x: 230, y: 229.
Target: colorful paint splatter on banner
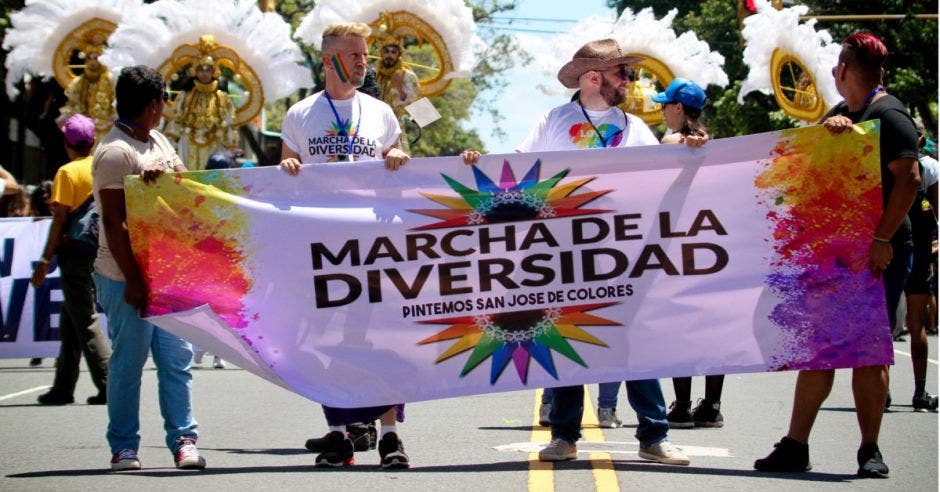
x: 821, y: 233
x: 194, y: 251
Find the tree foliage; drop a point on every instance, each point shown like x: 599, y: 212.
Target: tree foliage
x: 447, y: 136
x: 911, y: 70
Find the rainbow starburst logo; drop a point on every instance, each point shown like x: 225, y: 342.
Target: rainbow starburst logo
x: 519, y: 336
x: 511, y: 200
x: 343, y: 129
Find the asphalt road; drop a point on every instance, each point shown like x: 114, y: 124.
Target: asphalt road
x: 252, y: 435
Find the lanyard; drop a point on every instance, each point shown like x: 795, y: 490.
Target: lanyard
x: 340, y: 127
x: 596, y: 131
x: 872, y: 94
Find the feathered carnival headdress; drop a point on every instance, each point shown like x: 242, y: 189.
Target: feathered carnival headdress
x: 666, y: 55
x: 446, y: 24
x: 790, y: 60
x: 171, y: 34
x: 46, y: 33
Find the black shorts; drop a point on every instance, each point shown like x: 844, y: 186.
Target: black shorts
x: 921, y: 279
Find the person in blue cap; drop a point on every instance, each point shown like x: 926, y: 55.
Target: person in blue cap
x: 683, y: 101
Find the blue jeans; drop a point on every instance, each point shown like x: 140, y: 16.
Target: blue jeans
x: 645, y: 396
x: 607, y: 394
x: 132, y: 339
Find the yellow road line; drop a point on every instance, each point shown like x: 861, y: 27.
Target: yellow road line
x: 541, y: 474
x: 605, y: 479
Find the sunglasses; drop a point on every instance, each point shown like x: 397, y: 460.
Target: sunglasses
x: 166, y: 96
x: 625, y: 73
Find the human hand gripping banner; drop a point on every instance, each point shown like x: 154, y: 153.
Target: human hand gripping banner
x: 355, y: 286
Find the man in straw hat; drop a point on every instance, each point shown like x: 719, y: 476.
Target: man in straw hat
x: 591, y: 121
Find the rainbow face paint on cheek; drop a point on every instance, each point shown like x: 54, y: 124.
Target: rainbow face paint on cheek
x: 341, y: 71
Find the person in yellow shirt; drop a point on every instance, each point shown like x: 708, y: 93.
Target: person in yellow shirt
x: 78, y: 325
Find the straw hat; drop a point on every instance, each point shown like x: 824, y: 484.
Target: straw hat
x: 595, y: 55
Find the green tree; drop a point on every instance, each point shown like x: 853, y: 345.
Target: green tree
x: 911, y: 70
x: 447, y: 136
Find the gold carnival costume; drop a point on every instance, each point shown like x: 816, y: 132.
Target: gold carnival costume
x: 92, y: 92
x: 201, y: 118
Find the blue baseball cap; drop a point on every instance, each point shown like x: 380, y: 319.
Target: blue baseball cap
x: 684, y: 91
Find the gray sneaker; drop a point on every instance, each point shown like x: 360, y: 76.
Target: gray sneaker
x: 559, y: 450
x: 607, y: 418
x: 544, y: 412
x: 664, y: 452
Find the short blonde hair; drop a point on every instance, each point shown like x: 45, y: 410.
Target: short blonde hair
x: 334, y: 32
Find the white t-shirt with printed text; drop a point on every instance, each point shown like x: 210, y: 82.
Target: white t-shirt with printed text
x: 310, y: 128
x: 566, y: 128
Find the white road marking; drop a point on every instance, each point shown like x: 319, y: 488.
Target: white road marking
x: 24, y: 392
x: 932, y: 361
x: 613, y: 447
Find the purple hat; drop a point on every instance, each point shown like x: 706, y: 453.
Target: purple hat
x: 79, y: 130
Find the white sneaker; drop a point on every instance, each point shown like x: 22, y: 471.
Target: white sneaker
x: 125, y: 459
x: 664, y: 452
x: 187, y: 455
x: 607, y: 418
x: 218, y: 363
x: 559, y: 450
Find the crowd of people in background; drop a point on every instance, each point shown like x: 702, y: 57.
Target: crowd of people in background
x: 903, y: 249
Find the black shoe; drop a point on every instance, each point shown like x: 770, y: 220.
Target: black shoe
x: 789, y: 455
x: 708, y: 414
x: 338, y: 451
x: 35, y: 362
x: 888, y: 402
x: 924, y: 403
x: 362, y: 435
x: 317, y: 444
x: 870, y: 462
x: 392, y: 452
x: 99, y: 399
x: 55, y: 398
x: 680, y: 415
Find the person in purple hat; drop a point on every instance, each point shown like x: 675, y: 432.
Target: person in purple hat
x: 78, y: 324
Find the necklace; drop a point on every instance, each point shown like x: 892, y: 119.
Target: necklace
x: 341, y: 127
x: 596, y: 131
x: 131, y: 129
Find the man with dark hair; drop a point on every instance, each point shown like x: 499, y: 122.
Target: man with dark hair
x: 858, y: 77
x: 133, y: 147
x: 78, y: 326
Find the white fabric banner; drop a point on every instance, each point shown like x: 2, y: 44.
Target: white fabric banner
x: 355, y: 286
x: 29, y: 318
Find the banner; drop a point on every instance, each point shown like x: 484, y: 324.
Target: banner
x: 355, y: 286
x: 29, y: 318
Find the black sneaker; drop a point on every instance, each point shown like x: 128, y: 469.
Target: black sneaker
x: 392, y: 452
x: 362, y: 435
x: 317, y: 444
x: 888, y: 402
x: 789, y: 455
x: 708, y: 414
x: 337, y: 451
x: 99, y: 399
x: 55, y: 398
x: 870, y: 462
x: 680, y: 416
x: 924, y: 403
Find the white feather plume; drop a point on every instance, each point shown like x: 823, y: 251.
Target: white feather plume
x: 452, y: 19
x: 770, y: 29
x: 685, y: 55
x: 262, y: 40
x: 39, y: 28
